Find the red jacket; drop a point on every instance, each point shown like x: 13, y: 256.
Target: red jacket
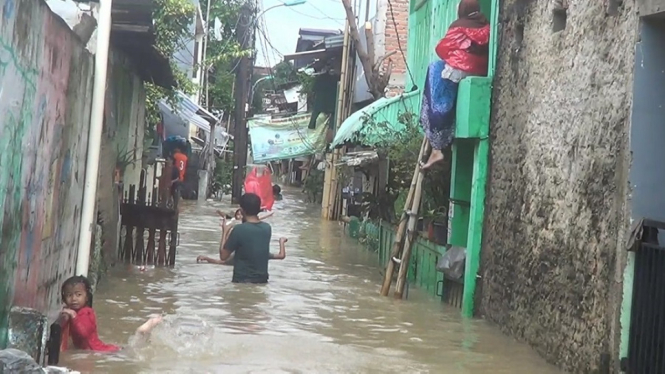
x: 83, y: 330
x: 454, y: 49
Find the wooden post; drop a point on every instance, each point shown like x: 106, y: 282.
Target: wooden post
x: 327, y: 177
x: 330, y: 189
x: 241, y: 95
x: 369, y: 36
x: 150, y: 257
x: 399, y: 235
x: 161, y: 248
x: 410, y: 231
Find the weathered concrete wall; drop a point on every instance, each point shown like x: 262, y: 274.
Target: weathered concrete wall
x: 45, y: 81
x: 45, y: 100
x: 556, y: 204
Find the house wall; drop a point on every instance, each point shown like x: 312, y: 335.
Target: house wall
x: 556, y: 208
x: 45, y: 101
x: 122, y: 148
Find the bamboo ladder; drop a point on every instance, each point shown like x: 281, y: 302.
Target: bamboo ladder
x: 405, y: 234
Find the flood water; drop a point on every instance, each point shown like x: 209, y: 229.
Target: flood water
x: 320, y: 313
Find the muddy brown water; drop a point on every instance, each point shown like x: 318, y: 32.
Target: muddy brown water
x: 320, y: 313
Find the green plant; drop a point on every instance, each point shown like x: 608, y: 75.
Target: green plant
x: 307, y: 83
x: 172, y: 19
x: 124, y: 158
x: 401, y: 148
x: 313, y: 186
x: 223, y: 54
x: 222, y: 177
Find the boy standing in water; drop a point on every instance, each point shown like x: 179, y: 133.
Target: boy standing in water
x: 250, y: 244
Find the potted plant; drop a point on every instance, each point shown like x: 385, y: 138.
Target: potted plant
x: 438, y: 226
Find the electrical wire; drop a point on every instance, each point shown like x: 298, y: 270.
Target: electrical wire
x: 399, y: 45
x: 268, y: 43
x: 336, y: 20
x: 324, y: 13
x: 264, y: 47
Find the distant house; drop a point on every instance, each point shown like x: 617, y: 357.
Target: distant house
x: 188, y: 59
x: 309, y: 40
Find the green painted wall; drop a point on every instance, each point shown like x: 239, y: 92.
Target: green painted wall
x: 626, y: 304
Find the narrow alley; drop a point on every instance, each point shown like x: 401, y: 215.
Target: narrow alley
x: 321, y: 313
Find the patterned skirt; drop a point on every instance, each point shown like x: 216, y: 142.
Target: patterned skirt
x: 437, y: 115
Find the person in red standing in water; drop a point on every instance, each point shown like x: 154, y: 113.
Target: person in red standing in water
x: 80, y: 322
x: 464, y: 52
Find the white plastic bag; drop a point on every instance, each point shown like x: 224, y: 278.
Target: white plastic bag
x: 451, y: 264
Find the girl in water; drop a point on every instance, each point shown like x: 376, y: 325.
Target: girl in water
x: 79, y: 321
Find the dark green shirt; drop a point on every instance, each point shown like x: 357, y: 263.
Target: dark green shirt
x: 251, y: 244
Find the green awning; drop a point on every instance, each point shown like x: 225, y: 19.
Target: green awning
x: 378, y: 121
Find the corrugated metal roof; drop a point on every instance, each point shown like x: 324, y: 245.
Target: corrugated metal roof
x: 383, y: 126
x: 132, y: 32
x: 320, y: 32
x: 336, y: 41
x: 190, y: 112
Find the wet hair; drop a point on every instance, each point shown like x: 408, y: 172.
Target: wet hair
x: 243, y: 220
x: 276, y: 189
x: 250, y: 204
x: 78, y: 279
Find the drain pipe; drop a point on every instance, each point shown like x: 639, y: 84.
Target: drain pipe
x: 94, y: 137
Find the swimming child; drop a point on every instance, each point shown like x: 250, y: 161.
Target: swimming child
x: 227, y: 228
x: 239, y: 218
x: 80, y: 322
x: 277, y: 192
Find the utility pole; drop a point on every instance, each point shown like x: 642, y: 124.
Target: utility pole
x: 245, y: 33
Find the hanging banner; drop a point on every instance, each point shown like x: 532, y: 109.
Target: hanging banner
x: 286, y: 138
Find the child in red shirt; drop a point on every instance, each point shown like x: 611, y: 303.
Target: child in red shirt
x: 80, y: 321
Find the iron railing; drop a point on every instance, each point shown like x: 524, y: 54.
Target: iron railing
x: 646, y: 349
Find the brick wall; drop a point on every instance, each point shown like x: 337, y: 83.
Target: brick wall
x: 557, y: 191
x: 393, y: 38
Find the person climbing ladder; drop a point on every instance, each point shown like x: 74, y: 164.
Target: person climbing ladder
x: 464, y: 52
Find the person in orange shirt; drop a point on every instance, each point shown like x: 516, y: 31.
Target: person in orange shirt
x: 180, y: 163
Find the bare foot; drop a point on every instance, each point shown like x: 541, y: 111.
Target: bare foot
x: 149, y: 325
x: 434, y: 157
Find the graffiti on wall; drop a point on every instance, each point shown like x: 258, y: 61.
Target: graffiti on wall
x: 42, y: 162
x: 45, y: 104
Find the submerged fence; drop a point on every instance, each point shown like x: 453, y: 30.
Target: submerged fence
x: 422, y: 266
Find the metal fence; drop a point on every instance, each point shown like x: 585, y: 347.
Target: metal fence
x: 646, y: 352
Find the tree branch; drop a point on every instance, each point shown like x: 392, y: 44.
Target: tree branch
x: 370, y: 73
